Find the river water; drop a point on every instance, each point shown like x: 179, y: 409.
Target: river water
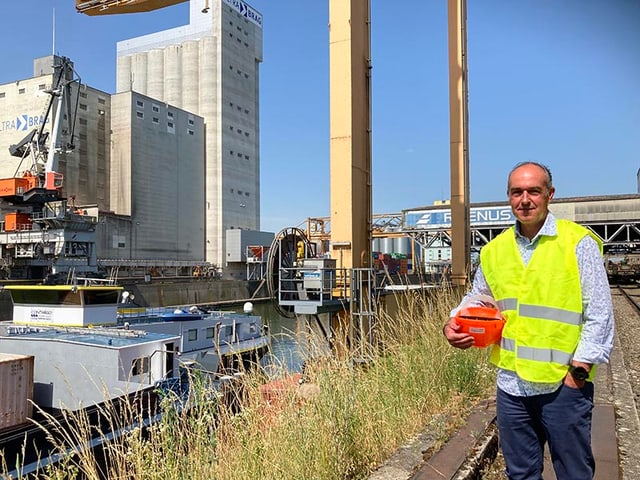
x: 286, y: 349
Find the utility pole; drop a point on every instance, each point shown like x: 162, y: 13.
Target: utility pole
x: 459, y: 141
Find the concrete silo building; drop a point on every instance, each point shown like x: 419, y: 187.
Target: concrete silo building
x: 157, y: 173
x: 210, y: 67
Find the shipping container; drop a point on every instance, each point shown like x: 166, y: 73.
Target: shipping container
x: 16, y: 389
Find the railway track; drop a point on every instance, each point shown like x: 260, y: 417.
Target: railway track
x: 624, y: 383
x: 627, y: 316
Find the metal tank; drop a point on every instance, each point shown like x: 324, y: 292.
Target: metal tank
x: 173, y: 74
x: 375, y: 245
x: 402, y: 245
x: 155, y: 74
x: 386, y: 245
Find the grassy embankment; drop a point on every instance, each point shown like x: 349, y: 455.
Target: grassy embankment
x: 357, y: 417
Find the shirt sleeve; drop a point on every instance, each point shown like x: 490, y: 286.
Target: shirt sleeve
x: 479, y: 287
x: 596, y: 340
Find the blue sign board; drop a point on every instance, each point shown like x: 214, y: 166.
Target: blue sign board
x: 441, y: 218
x: 246, y: 11
x: 22, y: 123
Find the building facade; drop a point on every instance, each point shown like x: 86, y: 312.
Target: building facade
x: 157, y: 164
x: 211, y: 68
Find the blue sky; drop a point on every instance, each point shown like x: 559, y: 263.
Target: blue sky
x: 552, y: 81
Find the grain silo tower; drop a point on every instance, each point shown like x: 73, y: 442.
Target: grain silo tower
x: 210, y: 67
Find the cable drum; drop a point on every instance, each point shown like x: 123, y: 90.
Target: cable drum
x: 289, y: 246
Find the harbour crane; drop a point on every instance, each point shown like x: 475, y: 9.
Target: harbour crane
x: 40, y: 233
x: 42, y: 181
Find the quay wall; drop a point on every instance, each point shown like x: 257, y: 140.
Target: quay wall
x: 176, y: 291
x: 160, y: 293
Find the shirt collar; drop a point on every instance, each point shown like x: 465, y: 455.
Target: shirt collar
x: 549, y: 228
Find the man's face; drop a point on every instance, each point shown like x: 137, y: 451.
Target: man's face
x: 528, y: 194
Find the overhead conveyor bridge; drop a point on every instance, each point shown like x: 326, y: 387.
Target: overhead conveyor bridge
x: 615, y: 219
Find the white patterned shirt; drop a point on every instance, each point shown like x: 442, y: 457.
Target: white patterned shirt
x: 596, y: 339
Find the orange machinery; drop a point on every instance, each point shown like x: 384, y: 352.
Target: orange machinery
x: 108, y: 7
x: 10, y: 187
x: 16, y: 186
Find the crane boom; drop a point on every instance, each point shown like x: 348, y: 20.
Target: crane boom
x: 110, y: 7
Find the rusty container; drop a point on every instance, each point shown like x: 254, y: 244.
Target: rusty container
x: 16, y: 389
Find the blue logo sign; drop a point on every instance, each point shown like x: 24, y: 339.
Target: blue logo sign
x: 246, y: 11
x: 441, y: 218
x: 22, y: 123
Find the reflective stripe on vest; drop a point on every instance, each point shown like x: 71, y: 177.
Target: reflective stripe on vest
x: 537, y: 354
x: 542, y: 302
x: 549, y: 313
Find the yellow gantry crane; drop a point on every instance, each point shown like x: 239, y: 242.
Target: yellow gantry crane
x: 110, y: 7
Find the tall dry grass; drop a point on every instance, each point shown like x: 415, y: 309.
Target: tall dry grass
x: 359, y: 413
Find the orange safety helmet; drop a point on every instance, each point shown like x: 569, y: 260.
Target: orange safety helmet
x: 484, y: 324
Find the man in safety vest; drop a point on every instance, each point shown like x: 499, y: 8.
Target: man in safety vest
x: 548, y: 279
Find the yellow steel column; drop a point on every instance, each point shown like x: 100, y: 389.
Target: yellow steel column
x: 350, y: 146
x: 459, y: 149
x: 350, y: 152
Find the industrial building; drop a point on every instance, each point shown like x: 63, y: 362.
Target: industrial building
x: 157, y: 170
x: 210, y: 67
x: 171, y: 161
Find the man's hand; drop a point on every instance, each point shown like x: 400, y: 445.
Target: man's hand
x: 456, y: 339
x: 571, y: 381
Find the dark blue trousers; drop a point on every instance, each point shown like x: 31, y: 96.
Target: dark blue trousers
x: 561, y: 418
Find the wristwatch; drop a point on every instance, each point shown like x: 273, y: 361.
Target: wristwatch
x: 579, y: 373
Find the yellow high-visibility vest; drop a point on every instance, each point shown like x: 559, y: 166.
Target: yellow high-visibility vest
x: 542, y: 302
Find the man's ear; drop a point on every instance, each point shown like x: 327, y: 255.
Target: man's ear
x: 552, y: 191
